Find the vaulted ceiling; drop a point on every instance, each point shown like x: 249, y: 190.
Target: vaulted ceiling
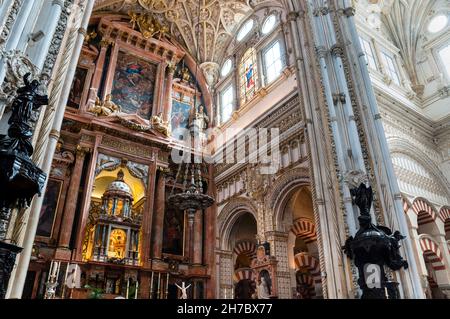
x: 203, y: 27
x: 406, y: 23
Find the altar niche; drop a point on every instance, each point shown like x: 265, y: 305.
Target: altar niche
x: 115, y: 218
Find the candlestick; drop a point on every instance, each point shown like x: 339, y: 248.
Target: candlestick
x: 50, y: 272
x: 158, y: 294
x: 58, y: 266
x: 74, y: 278
x: 136, y: 292
x: 167, y: 285
x: 128, y: 287
x: 65, y: 281
x: 151, y: 286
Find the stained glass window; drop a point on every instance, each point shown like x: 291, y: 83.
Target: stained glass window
x: 248, y: 72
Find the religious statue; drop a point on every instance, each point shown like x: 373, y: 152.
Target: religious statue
x: 263, y: 289
x: 105, y: 108
x: 362, y: 197
x: 28, y: 100
x: 160, y: 125
x: 185, y: 75
x: 183, y: 289
x: 199, y: 119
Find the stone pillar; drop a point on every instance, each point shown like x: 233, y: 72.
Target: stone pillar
x: 443, y: 246
x: 209, y: 241
x: 16, y: 31
x: 99, y: 66
x: 167, y: 112
x: 279, y: 246
x: 158, y: 221
x: 226, y: 287
x: 48, y: 20
x: 383, y: 167
x: 147, y: 220
x: 52, y: 136
x: 71, y: 205
x: 198, y: 238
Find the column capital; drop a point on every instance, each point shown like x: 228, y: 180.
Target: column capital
x: 321, y: 51
x: 171, y: 67
x: 321, y: 11
x: 105, y: 43
x: 81, y: 151
x: 349, y: 12
x: 337, y: 50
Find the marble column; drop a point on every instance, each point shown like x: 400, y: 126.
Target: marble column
x: 158, y: 222
x: 382, y: 160
x: 209, y: 241
x: 71, y: 202
x: 17, y: 285
x: 198, y: 238
x: 48, y: 20
x: 99, y: 66
x: 167, y: 112
x: 15, y: 33
x: 145, y: 244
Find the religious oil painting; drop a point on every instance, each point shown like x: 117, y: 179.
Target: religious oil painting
x: 180, y: 115
x: 76, y: 92
x: 49, y: 208
x: 134, y: 84
x: 173, y: 236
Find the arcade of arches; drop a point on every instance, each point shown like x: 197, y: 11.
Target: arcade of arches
x: 336, y: 86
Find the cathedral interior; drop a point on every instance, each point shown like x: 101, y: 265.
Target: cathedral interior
x: 278, y: 110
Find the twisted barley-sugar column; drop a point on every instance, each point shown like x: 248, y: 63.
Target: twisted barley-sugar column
x: 73, y: 49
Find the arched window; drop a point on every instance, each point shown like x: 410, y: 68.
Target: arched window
x: 269, y: 24
x: 245, y: 30
x: 248, y: 72
x: 226, y: 68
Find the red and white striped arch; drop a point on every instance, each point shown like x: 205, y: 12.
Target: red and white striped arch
x: 432, y: 253
x: 305, y: 229
x: 444, y: 215
x: 305, y: 260
x: 425, y: 212
x: 243, y: 274
x: 246, y: 247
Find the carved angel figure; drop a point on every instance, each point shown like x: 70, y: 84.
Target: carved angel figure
x: 105, y: 108
x: 160, y: 125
